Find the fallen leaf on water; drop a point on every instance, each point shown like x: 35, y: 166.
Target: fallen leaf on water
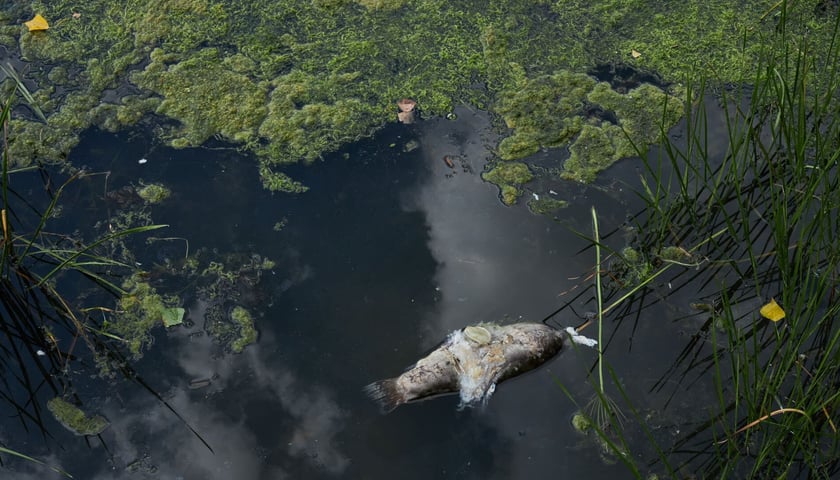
x: 635, y: 54
x: 173, y: 316
x: 37, y: 24
x: 772, y: 311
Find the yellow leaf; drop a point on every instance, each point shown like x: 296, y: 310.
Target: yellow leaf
x: 772, y: 311
x: 635, y: 54
x: 37, y: 23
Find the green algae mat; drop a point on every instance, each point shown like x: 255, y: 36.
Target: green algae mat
x: 292, y: 80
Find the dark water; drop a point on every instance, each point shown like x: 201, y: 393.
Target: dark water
x: 387, y: 253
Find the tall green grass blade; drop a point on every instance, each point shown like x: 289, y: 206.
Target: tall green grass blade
x: 108, y: 238
x: 34, y: 460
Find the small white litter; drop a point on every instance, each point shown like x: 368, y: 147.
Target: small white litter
x: 142, y: 161
x: 580, y: 339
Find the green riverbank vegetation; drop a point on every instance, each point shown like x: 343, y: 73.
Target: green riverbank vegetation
x: 44, y: 330
x: 740, y: 248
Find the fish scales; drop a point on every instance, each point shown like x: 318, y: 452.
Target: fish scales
x: 471, y: 362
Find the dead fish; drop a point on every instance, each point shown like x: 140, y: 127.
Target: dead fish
x: 471, y: 362
x: 449, y: 160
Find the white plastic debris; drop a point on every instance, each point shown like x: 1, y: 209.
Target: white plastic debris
x: 536, y: 197
x: 41, y: 353
x: 142, y: 161
x: 580, y: 339
x: 552, y: 192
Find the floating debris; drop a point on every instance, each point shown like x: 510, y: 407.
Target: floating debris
x: 471, y: 361
x: 172, y: 316
x: 580, y: 339
x: 411, y: 146
x: 772, y: 311
x: 449, y: 160
x: 142, y: 161
x: 406, y: 114
x: 37, y: 24
x: 199, y: 383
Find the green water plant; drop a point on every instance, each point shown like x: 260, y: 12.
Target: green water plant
x: 43, y: 330
x: 602, y: 416
x: 245, y: 325
x: 742, y: 230
x: 154, y: 193
x: 297, y: 79
x: 17, y: 454
x: 76, y: 420
x: 509, y: 176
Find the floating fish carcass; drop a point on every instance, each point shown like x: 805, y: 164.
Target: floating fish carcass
x: 471, y: 362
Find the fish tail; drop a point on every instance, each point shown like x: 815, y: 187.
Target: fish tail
x: 386, y: 394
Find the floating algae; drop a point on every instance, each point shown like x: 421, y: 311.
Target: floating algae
x: 509, y: 176
x: 138, y: 311
x: 305, y: 77
x: 154, y: 193
x: 74, y: 419
x: 245, y: 325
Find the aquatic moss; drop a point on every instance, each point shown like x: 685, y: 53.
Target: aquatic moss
x: 600, y: 124
x: 382, y: 4
x: 295, y: 79
x: 596, y: 148
x: 138, y: 311
x: 209, y: 94
x: 545, y: 205
x: 245, y: 324
x: 509, y: 194
x: 154, y: 193
x: 509, y: 176
x: 676, y: 254
x: 74, y: 419
x: 631, y: 255
x: 581, y: 423
x: 279, y: 181
x: 515, y: 173
x: 633, y: 267
x: 679, y: 39
x: 228, y: 293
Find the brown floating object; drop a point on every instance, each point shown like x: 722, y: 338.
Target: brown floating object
x: 406, y: 113
x: 449, y: 160
x: 406, y: 105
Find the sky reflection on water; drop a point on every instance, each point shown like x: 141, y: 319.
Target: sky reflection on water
x: 387, y: 253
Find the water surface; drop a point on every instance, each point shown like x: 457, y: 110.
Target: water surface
x: 388, y: 252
